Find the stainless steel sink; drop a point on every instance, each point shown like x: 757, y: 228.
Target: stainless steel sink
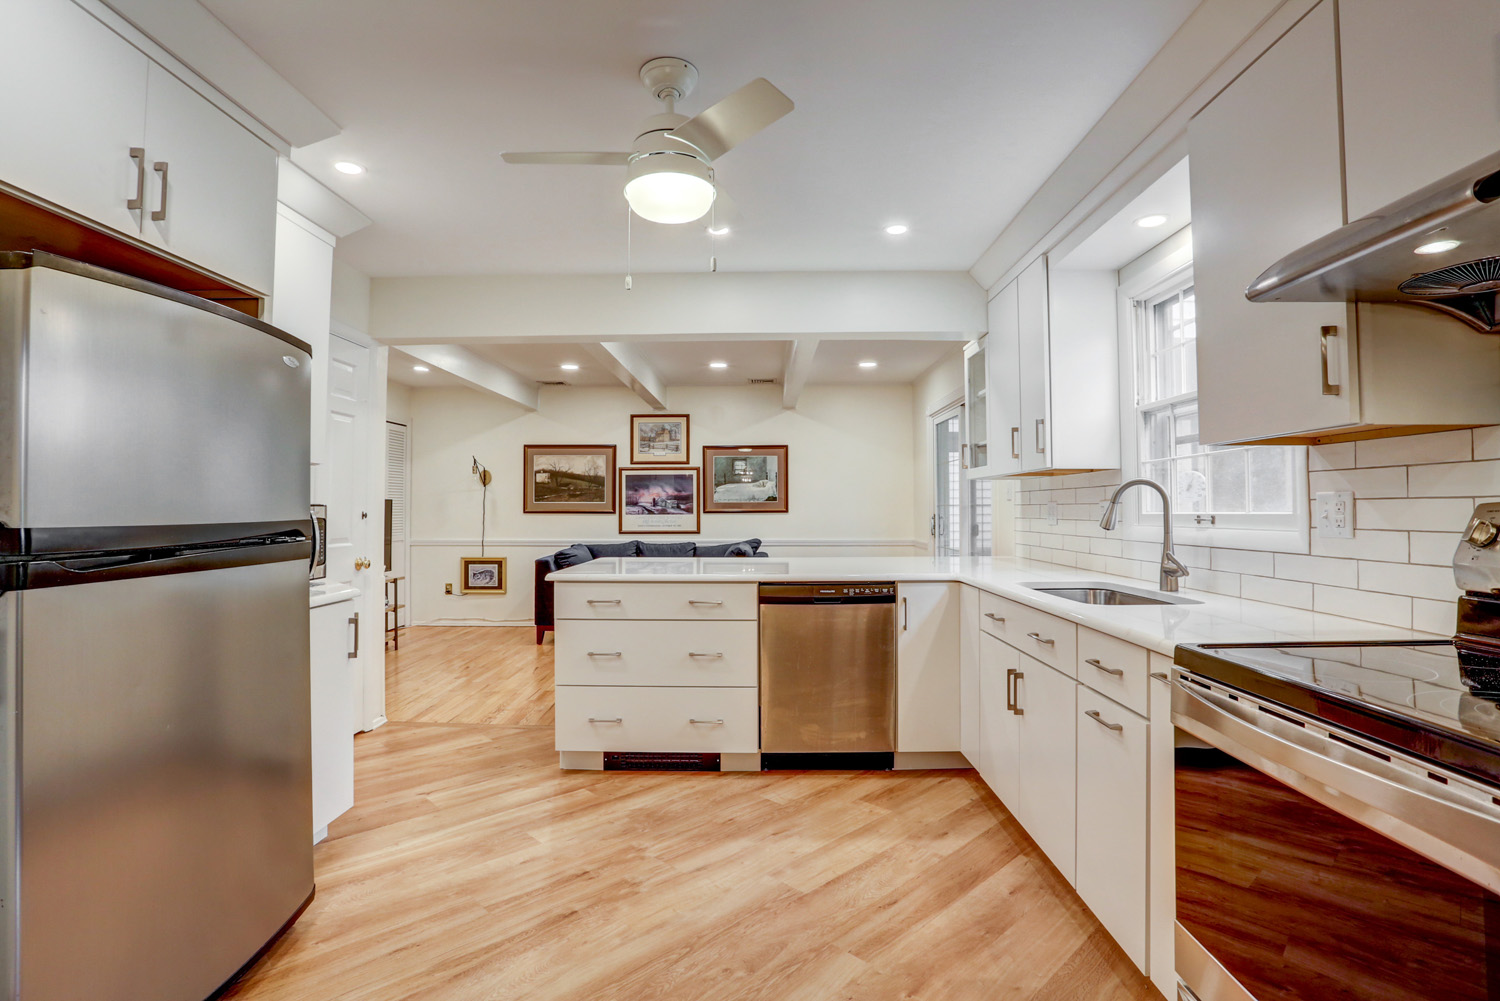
x: 1094, y: 593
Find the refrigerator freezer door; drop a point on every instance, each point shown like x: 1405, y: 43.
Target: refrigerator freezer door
x: 143, y: 410
x: 164, y: 777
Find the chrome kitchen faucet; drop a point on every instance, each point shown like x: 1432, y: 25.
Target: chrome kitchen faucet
x: 1171, y: 566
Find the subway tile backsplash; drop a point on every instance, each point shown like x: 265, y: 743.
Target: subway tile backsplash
x: 1413, y: 496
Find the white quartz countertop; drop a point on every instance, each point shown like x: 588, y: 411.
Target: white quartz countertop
x: 1211, y: 619
x: 330, y: 593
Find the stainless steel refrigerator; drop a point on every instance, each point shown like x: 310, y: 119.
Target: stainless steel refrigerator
x: 154, y: 545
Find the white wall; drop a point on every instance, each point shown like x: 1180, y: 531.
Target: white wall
x: 398, y: 402
x: 850, y: 466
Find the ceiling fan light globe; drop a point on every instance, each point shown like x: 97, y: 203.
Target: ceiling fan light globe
x: 669, y: 188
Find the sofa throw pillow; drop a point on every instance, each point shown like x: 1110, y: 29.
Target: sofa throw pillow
x: 630, y: 548
x: 572, y: 556
x: 741, y: 549
x: 667, y: 548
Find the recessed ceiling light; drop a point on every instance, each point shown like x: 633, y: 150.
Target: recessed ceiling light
x: 868, y: 364
x: 718, y: 364
x: 1150, y: 221
x: 1437, y: 247
x: 420, y: 368
x: 348, y: 167
x: 897, y: 229
x: 718, y: 231
x: 569, y: 366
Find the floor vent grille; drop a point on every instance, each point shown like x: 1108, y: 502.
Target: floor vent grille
x: 642, y: 761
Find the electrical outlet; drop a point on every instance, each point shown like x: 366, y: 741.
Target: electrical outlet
x: 1333, y: 514
x: 1052, y: 512
x: 447, y: 588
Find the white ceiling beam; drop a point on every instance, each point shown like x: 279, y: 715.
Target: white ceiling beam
x: 626, y: 363
x: 799, y: 362
x: 464, y: 364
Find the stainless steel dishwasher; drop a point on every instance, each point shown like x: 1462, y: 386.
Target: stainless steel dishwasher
x: 827, y: 675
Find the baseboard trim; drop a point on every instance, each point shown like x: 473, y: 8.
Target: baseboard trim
x: 589, y: 761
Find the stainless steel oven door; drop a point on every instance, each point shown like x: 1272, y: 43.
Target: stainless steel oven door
x: 1313, y: 863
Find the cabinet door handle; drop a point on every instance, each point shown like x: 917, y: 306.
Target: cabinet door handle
x: 354, y: 621
x: 695, y: 601
x: 1015, y: 443
x: 160, y: 215
x: 1162, y: 676
x: 905, y: 616
x: 1010, y: 689
x: 617, y: 719
x: 1330, y: 388
x: 1015, y: 702
x: 606, y: 653
x: 995, y: 618
x: 707, y: 656
x: 604, y: 601
x: 1041, y: 448
x: 138, y: 154
x: 1117, y: 672
x: 963, y: 452
x: 707, y: 722
x: 1039, y: 639
x: 1093, y: 714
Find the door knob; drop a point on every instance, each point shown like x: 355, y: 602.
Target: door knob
x: 361, y: 564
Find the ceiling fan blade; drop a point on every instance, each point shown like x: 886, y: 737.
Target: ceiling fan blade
x: 739, y: 116
x: 586, y: 159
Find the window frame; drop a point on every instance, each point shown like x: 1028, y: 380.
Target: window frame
x: 1156, y: 275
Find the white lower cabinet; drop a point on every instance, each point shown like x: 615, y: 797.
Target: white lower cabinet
x: 1046, y: 757
x: 927, y: 667
x: 1112, y: 818
x: 689, y: 654
x: 331, y: 628
x: 1161, y: 777
x: 968, y: 673
x: 701, y: 720
x: 999, y: 727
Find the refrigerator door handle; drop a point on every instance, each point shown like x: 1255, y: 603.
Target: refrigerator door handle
x: 317, y: 542
x: 121, y: 566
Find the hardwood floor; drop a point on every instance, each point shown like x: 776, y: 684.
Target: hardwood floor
x: 471, y: 868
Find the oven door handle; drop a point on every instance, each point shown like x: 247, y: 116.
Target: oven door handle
x: 1381, y: 796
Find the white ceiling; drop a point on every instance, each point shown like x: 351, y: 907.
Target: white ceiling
x: 686, y: 363
x: 946, y: 115
x: 1120, y: 241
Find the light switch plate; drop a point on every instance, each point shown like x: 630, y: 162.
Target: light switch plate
x: 1333, y: 514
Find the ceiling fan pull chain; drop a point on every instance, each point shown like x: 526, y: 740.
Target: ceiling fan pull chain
x: 628, y: 214
x: 713, y: 224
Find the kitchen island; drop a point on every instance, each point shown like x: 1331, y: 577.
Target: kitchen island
x: 1062, y: 707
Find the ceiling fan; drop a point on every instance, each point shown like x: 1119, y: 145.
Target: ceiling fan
x: 668, y: 177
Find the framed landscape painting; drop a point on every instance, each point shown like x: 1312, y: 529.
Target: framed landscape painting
x: 744, y: 479
x: 658, y: 438
x: 659, y: 501
x: 569, y: 479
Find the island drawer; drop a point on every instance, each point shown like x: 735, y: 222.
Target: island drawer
x: 689, y: 654
x: 706, y: 720
x: 1114, y: 668
x: 591, y: 600
x: 1051, y: 640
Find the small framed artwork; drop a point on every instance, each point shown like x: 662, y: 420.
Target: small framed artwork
x: 569, y: 479
x: 659, y: 438
x: 659, y: 501
x: 481, y: 575
x: 744, y: 478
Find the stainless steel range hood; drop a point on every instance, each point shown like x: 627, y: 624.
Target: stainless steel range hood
x: 1377, y: 258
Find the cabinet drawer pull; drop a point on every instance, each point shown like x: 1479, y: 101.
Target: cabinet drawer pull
x: 706, y: 656
x: 1330, y: 388
x: 617, y: 719
x: 696, y: 601
x: 1093, y: 714
x: 1039, y: 639
x: 1117, y: 672
x: 138, y: 154
x: 1010, y: 689
x: 1015, y: 443
x: 708, y: 722
x: 606, y: 653
x: 160, y: 215
x: 1015, y: 701
x: 1162, y: 676
x: 604, y: 601
x: 995, y: 618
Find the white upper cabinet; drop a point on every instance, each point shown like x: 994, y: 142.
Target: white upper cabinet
x: 1031, y: 354
x: 75, y: 108
x: 1266, y: 179
x: 1421, y: 93
x: 977, y: 451
x: 212, y: 183
x: 1004, y: 404
x: 83, y: 98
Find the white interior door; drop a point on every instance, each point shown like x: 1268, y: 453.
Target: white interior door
x: 353, y: 550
